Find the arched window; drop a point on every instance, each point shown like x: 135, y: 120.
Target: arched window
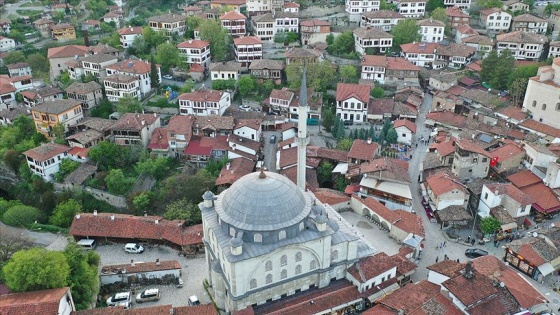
x: 284, y: 274
x: 283, y: 260
x: 231, y: 231
x: 543, y: 106
x: 312, y: 265
x: 298, y: 256
x: 268, y: 265
x: 334, y: 255
x: 257, y: 238
x: 558, y: 106
x: 268, y: 278
x: 301, y: 226
x: 534, y: 103
x: 253, y: 283
x: 282, y: 235
x: 298, y: 269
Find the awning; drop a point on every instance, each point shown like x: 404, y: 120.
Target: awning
x: 509, y: 226
x: 341, y: 168
x: 397, y: 189
x: 413, y: 240
x: 546, y: 269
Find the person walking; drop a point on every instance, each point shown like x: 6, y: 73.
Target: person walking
x: 444, y: 243
x: 437, y: 259
x: 468, y: 239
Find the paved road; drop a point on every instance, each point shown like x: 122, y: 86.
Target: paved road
x: 269, y: 149
x: 10, y: 8
x: 40, y: 239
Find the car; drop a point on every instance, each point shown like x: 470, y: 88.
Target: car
x: 148, y: 295
x: 193, y: 300
x: 120, y: 299
x: 273, y: 139
x: 475, y: 252
x: 134, y: 248
x: 348, y: 123
x: 87, y: 244
x: 168, y: 77
x: 181, y: 79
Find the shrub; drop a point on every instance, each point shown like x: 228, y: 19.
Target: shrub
x: 22, y: 216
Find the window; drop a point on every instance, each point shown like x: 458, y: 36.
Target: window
x: 558, y: 106
x: 298, y: 256
x: 298, y: 269
x: 283, y: 260
x: 231, y: 232
x: 253, y: 283
x: 301, y: 226
x: 312, y: 265
x: 268, y: 278
x: 484, y: 160
x: 282, y: 235
x: 543, y: 106
x: 334, y: 255
x: 486, y: 196
x: 257, y: 238
x: 268, y: 266
x: 534, y: 103
x: 284, y: 274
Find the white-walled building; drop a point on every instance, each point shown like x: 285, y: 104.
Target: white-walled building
x: 537, y: 158
x: 389, y: 70
x: 128, y: 34
x: 355, y: 8
x: 118, y: 86
x: 512, y: 199
x: 464, y: 5
x: 313, y: 31
x: 352, y: 101
x: 285, y: 22
x: 420, y: 54
x: 523, y: 46
x: 483, y: 44
x: 48, y: 302
x: 45, y: 159
x: 138, y: 69
x: 374, y: 38
x: 554, y: 49
x: 19, y: 69
x: 225, y: 70
x: 496, y: 20
x: 204, y: 102
x: 405, y: 130
x: 234, y: 23
x: 91, y: 65
x: 247, y: 49
x: 383, y: 19
x: 168, y: 24
x: 7, y: 44
x: 90, y: 93
x: 412, y: 8
x: 263, y: 26
x: 113, y: 16
x: 195, y: 51
x: 248, y: 128
x: 542, y: 97
x: 134, y: 129
x: 445, y: 190
x: 432, y: 31
x: 529, y: 23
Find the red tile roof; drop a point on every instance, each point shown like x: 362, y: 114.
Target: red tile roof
x: 44, y: 302
x: 310, y: 177
x: 470, y: 291
x: 370, y: 267
x: 181, y: 125
x: 507, y: 151
x: 234, y: 170
x: 362, y: 150
x: 442, y: 182
x: 142, y: 267
x: 193, y: 43
x: 204, y: 309
x: 425, y: 48
x: 247, y: 40
x: 444, y: 148
x: 132, y: 227
x: 253, y: 123
x: 448, y: 268
x: 410, y: 297
x: 133, y: 121
x: 448, y: 118
x: 471, y: 146
x: 46, y: 151
x: 378, y: 208
x: 130, y: 30
x: 510, y: 190
x: 203, y: 95
x: 159, y: 140
x: 331, y: 196
x: 540, y: 127
x: 524, y: 178
x: 392, y: 168
x: 545, y: 198
x: 80, y: 152
x: 345, y: 91
x: 409, y: 222
x: 133, y: 66
x: 232, y: 15
x: 405, y: 123
x: 513, y: 112
x: 204, y: 145
x: 439, y: 304
x: 314, y: 22
x: 67, y: 51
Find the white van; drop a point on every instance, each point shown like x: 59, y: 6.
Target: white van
x: 134, y: 248
x: 193, y: 300
x: 87, y: 244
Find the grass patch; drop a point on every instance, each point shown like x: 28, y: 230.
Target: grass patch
x: 31, y: 4
x: 28, y: 12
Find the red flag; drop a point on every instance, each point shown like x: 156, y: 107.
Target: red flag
x: 494, y: 161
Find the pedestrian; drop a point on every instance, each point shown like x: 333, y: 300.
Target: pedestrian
x: 417, y: 145
x: 445, y: 257
x: 444, y: 243
x: 437, y: 259
x: 457, y: 259
x: 468, y: 239
x: 472, y: 242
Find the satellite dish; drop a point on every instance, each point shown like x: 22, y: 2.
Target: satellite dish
x: 535, y: 234
x: 502, y: 284
x: 552, y: 225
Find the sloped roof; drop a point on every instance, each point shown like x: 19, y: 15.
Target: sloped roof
x: 522, y: 37
x: 345, y: 91
x: 193, y: 43
x: 266, y: 64
x: 442, y: 182
x: 370, y: 267
x: 133, y: 30
x: 133, y: 121
x: 202, y: 95
x: 394, y: 169
x: 471, y: 146
x: 510, y: 190
x: 448, y: 268
x: 33, y: 302
x: 371, y: 33
x: 405, y: 123
x: 524, y: 178
x: 57, y: 106
x: 362, y: 150
x: 411, y: 296
x: 235, y: 169
x: 430, y: 22
x: 470, y: 291
x: 232, y: 15
x: 167, y: 18
x: 330, y: 196
x: 67, y: 51
x: 247, y: 40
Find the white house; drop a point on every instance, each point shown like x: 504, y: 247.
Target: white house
x: 523, y: 45
x: 494, y: 19
x: 383, y: 19
x: 128, y: 34
x: 195, y: 51
x: 514, y: 201
x: 411, y: 8
x: 5, y: 25
x: 420, y: 54
x: 7, y: 44
x: 134, y: 129
x: 118, y: 86
x: 234, y: 23
x: 247, y: 49
x: 352, y: 101
x: 248, y: 128
x: 91, y: 65
x: 463, y: 32
x: 137, y: 68
x: 554, y: 49
x: 263, y: 26
x: 388, y: 70
x: 537, y: 158
x: 483, y: 44
x: 225, y: 70
x: 445, y: 190
x: 454, y: 55
x: 285, y: 22
x: 543, y: 95
x: 432, y: 31
x: 113, y: 16
x: 405, y: 130
x: 19, y: 69
x: 169, y: 23
x: 7, y: 94
x: 204, y: 102
x: 355, y: 8
x: 374, y: 38
x: 45, y: 159
x: 464, y: 5
x: 529, y: 23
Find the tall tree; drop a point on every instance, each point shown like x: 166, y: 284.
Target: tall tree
x: 406, y: 31
x: 434, y: 4
x: 14, y: 57
x: 343, y: 44
x: 64, y: 213
x: 106, y: 155
x: 167, y: 55
x: 439, y: 14
x: 245, y: 85
x: 391, y: 136
x: 215, y: 34
x: 82, y: 279
x: 517, y: 90
x: 319, y: 75
x: 348, y: 73
x: 117, y: 183
x: 486, y: 4
x: 38, y: 63
x: 183, y: 209
x: 328, y: 120
x: 36, y: 269
x: 324, y: 171
x: 496, y: 69
x: 154, y: 75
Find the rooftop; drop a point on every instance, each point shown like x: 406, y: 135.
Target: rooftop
x: 133, y: 121
x: 33, y: 302
x: 362, y: 150
x: 344, y: 91
x: 57, y: 106
x: 522, y: 37
x: 371, y: 33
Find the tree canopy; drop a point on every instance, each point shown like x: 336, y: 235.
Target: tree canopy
x: 406, y: 31
x: 106, y: 155
x: 183, y: 209
x: 82, y: 279
x: 213, y: 32
x: 320, y: 75
x: 64, y: 213
x: 191, y: 187
x: 489, y: 225
x: 496, y: 69
x: 343, y: 44
x: 167, y: 55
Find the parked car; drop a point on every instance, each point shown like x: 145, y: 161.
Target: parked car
x: 148, y: 295
x: 134, y: 248
x: 168, y: 77
x: 120, y: 299
x: 87, y: 244
x: 193, y: 300
x: 273, y: 139
x: 475, y: 252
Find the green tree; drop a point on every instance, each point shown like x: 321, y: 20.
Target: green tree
x: 383, y: 5
x: 117, y: 183
x: 214, y: 167
x: 142, y: 202
x: 434, y: 4
x: 343, y: 44
x: 58, y: 133
x: 328, y: 120
x: 386, y: 126
x: 319, y: 75
x: 64, y: 213
x: 341, y: 183
x: 324, y: 171
x: 489, y: 225
x: 183, y: 209
x: 486, y: 4
x: 156, y: 168
x: 192, y: 22
x: 213, y: 32
x: 13, y: 159
x: 517, y: 90
x: 524, y: 72
x: 167, y: 55
x: 82, y: 278
x: 439, y: 14
x: 496, y: 69
x: 551, y: 7
x: 38, y: 63
x: 377, y: 92
x: 406, y: 31
x: 348, y: 73
x: 11, y: 241
x: 154, y: 75
x: 344, y: 144
x: 129, y: 104
x: 330, y: 39
x: 36, y: 269
x: 106, y: 155
x: 65, y: 79
x: 113, y: 40
x: 391, y: 136
x: 191, y: 187
x: 66, y: 167
x: 245, y: 85
x: 22, y: 216
x: 151, y: 39
x: 103, y: 110
x: 14, y: 57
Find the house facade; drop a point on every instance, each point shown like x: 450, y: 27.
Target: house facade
x: 389, y: 70
x: 543, y: 95
x: 248, y: 49
x: 516, y: 203
x: 19, y: 69
x: 118, y: 86
x: 464, y: 5
x: 456, y: 16
x: 355, y: 8
x: 7, y: 44
x: 313, y: 31
x: 49, y: 114
x: 204, y: 102
x: 523, y: 45
x: 383, y: 19
x: 93, y: 65
x: 529, y: 23
x: 470, y: 160
x: 138, y: 69
x: 374, y: 38
x: 411, y: 8
x: 225, y: 70
x: 432, y: 31
x: 267, y: 69
x: 45, y: 159
x: 134, y: 129
x: 195, y: 51
x: 420, y: 54
x: 234, y: 23
x: 90, y: 94
x: 128, y: 34
x: 63, y: 32
x: 496, y: 20
x: 352, y: 101
x: 169, y: 23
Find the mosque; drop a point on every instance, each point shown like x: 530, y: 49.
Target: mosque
x: 267, y: 238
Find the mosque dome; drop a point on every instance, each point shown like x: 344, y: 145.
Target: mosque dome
x: 263, y: 201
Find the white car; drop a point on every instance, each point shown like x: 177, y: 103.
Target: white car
x: 168, y: 77
x: 120, y: 299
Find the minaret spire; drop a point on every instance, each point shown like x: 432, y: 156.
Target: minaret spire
x: 302, y: 135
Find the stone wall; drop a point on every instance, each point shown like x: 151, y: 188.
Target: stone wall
x: 162, y: 111
x: 116, y: 201
x: 342, y: 61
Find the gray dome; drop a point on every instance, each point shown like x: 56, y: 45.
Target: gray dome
x: 208, y: 195
x: 262, y: 202
x: 321, y: 218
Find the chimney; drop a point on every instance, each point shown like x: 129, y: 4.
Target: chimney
x: 95, y: 212
x: 468, y: 270
x: 369, y: 140
x: 228, y: 166
x: 496, y: 192
x: 112, y: 218
x: 157, y: 222
x: 157, y: 262
x: 77, y: 216
x: 190, y: 41
x: 132, y: 262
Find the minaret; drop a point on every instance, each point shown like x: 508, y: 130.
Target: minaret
x: 302, y: 136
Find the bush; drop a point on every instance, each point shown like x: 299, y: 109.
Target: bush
x: 22, y: 216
